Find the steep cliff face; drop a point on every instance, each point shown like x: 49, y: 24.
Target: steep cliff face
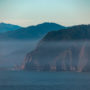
x: 65, y: 50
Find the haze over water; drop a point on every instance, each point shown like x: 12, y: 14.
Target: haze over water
x: 32, y: 50
x: 19, y: 80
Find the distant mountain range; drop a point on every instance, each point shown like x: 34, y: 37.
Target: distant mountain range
x: 4, y: 27
x: 14, y: 45
x: 31, y: 32
x: 63, y: 50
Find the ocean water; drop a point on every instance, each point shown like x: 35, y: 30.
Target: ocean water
x: 23, y: 80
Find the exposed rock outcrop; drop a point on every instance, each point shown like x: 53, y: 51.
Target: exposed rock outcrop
x: 64, y: 50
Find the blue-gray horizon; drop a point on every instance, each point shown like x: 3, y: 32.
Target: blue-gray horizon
x: 32, y: 12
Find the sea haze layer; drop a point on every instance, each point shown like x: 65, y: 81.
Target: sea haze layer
x: 19, y: 80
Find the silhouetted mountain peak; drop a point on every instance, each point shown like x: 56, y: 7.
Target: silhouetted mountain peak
x: 4, y: 27
x: 48, y: 24
x: 2, y: 23
x: 32, y: 32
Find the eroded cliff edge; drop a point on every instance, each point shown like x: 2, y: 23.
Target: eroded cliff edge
x: 63, y: 50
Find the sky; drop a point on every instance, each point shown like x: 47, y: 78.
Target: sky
x: 32, y: 12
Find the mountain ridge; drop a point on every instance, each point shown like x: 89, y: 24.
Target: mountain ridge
x: 31, y: 32
x: 4, y: 27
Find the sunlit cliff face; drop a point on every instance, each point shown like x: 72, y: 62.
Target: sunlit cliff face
x: 60, y: 56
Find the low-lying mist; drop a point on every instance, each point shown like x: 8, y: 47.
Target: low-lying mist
x: 13, y: 52
x: 67, y: 55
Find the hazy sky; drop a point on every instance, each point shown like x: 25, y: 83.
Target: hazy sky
x: 31, y: 12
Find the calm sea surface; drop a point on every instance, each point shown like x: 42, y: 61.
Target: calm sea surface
x: 20, y: 80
